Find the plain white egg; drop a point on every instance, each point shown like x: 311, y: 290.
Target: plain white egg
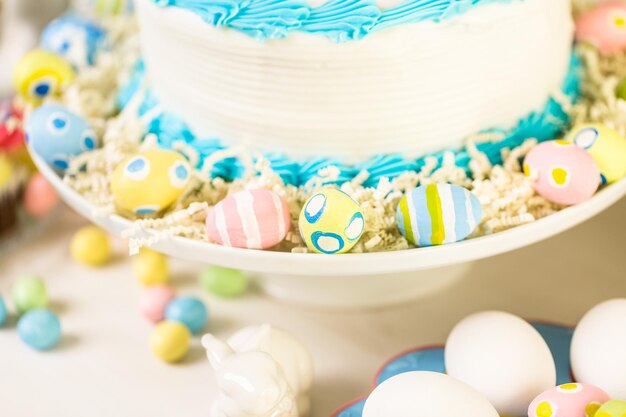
x: 426, y: 394
x: 598, y: 352
x: 502, y: 357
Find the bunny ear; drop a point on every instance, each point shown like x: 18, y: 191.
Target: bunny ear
x: 216, y: 350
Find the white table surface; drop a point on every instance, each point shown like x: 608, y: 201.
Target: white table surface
x: 103, y: 368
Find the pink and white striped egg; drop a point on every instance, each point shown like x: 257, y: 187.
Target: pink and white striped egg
x: 562, y: 172
x: 604, y: 27
x: 568, y: 400
x: 256, y: 219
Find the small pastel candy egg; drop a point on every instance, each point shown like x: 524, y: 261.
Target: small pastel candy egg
x: 331, y: 222
x: 437, y: 214
x: 57, y: 134
x: 605, y: 145
x: 151, y: 267
x: 170, y: 341
x: 256, y: 219
x: 604, y: 27
x: 90, y: 246
x: 29, y: 293
x: 39, y: 329
x: 74, y: 38
x: 113, y: 7
x: 614, y: 408
x: 189, y: 311
x: 40, y: 198
x: 153, y: 302
x: 224, y: 282
x: 562, y: 172
x: 150, y: 181
x: 4, y: 314
x: 40, y: 74
x: 568, y: 400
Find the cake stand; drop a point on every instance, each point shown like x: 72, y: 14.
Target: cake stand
x: 353, y: 280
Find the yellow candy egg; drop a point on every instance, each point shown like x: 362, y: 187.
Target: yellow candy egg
x: 331, y: 222
x: 151, y: 268
x: 150, y: 181
x: 40, y: 74
x: 605, y: 145
x: 90, y: 246
x: 613, y: 408
x: 170, y: 341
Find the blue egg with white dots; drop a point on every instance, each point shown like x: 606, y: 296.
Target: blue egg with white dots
x: 40, y: 329
x: 189, y: 311
x: 76, y: 39
x: 4, y: 314
x: 57, y: 134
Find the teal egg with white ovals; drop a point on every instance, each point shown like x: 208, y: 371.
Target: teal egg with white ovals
x: 74, y: 38
x: 438, y: 214
x: 57, y: 134
x: 331, y: 222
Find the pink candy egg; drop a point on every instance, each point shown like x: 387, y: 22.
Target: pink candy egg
x: 40, y: 198
x: 563, y: 173
x: 568, y: 400
x: 604, y: 27
x: 257, y: 219
x: 153, y: 302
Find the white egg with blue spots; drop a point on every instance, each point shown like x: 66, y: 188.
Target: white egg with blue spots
x: 75, y: 39
x: 57, y: 135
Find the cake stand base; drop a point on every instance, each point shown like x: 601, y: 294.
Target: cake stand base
x: 361, y: 291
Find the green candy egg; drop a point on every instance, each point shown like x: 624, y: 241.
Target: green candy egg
x: 224, y: 282
x: 29, y: 293
x: 614, y: 408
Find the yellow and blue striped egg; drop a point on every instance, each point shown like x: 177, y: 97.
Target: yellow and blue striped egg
x: 40, y: 74
x: 331, y: 222
x: 150, y: 181
x: 75, y: 39
x: 57, y: 134
x: 437, y: 214
x: 605, y: 145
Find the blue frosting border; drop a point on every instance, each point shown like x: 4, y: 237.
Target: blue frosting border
x: 544, y: 125
x: 339, y: 20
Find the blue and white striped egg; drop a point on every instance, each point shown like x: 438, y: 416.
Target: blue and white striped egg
x: 438, y: 214
x: 74, y: 38
x: 57, y: 134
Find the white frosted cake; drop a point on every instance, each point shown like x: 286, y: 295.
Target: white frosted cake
x: 353, y: 79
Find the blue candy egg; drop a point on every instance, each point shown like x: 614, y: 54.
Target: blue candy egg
x: 4, y: 314
x: 189, y: 311
x: 56, y: 135
x: 437, y: 214
x: 74, y: 38
x: 39, y: 329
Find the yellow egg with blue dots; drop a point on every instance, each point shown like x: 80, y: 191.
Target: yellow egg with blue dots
x: 605, y: 145
x: 150, y: 181
x: 331, y: 222
x: 40, y: 74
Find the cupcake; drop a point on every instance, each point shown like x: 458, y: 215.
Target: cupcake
x: 12, y: 181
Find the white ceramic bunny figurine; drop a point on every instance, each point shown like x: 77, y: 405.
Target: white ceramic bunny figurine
x: 245, y: 357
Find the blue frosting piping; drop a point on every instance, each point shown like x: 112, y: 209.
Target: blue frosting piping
x: 339, y: 20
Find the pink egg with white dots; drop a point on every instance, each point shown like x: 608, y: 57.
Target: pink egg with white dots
x: 562, y: 172
x: 256, y: 219
x: 568, y: 400
x: 604, y: 27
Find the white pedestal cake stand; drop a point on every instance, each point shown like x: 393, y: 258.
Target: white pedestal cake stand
x: 354, y: 280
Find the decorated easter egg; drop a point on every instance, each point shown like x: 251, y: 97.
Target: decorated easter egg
x: 256, y: 219
x: 74, y: 38
x: 426, y: 394
x: 562, y: 172
x: 486, y: 351
x: 614, y: 408
x: 605, y: 145
x: 437, y: 214
x: 150, y: 181
x: 568, y: 400
x: 597, y: 352
x: 40, y: 74
x: 604, y: 27
x: 331, y: 222
x: 39, y: 329
x: 57, y: 134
